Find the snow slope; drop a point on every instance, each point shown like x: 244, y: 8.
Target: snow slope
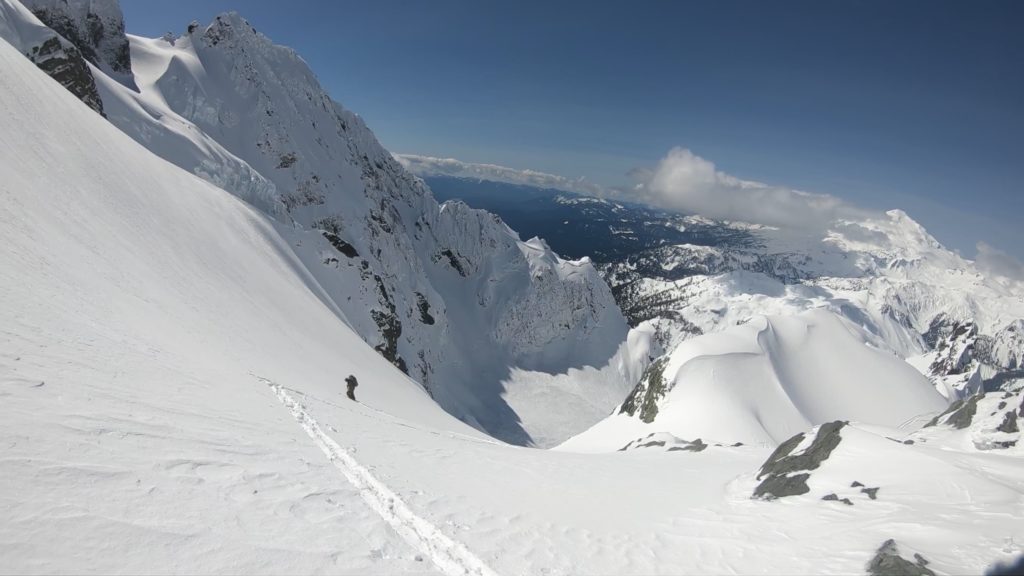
x: 765, y: 380
x: 449, y: 295
x: 171, y: 378
x: 137, y: 302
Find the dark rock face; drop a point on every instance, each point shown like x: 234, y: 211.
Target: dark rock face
x: 871, y: 492
x: 952, y: 408
x: 826, y: 440
x: 954, y: 341
x: 287, y: 160
x: 888, y: 562
x: 697, y: 445
x: 1009, y: 424
x: 781, y: 452
x: 961, y: 350
x: 673, y: 444
x: 960, y: 413
x: 340, y: 245
x: 782, y: 463
x: 453, y: 261
x: 963, y: 417
x: 387, y: 321
x: 99, y: 37
x: 64, y: 63
x: 780, y: 486
x: 648, y: 392
x: 332, y: 231
x: 834, y: 498
x: 424, y: 307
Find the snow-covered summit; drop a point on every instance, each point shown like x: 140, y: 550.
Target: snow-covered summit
x: 766, y: 380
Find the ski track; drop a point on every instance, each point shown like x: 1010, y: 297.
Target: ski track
x: 450, y: 557
x: 388, y: 418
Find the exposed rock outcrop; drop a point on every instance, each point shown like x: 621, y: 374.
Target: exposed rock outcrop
x: 786, y: 473
x: 64, y: 63
x: 95, y: 27
x: 888, y: 562
x: 58, y: 57
x: 960, y: 414
x: 665, y: 442
x: 645, y: 396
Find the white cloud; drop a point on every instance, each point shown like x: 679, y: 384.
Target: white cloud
x: 681, y: 181
x: 686, y: 182
x: 994, y: 262
x: 426, y: 166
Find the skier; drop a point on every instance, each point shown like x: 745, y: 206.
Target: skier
x: 352, y: 383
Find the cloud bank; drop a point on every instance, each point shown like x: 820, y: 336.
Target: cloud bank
x: 426, y: 166
x: 681, y: 181
x: 686, y: 182
x: 995, y: 262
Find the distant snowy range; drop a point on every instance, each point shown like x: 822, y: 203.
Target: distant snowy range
x: 199, y: 247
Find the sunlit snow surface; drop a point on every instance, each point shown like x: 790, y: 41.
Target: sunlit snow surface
x: 171, y: 392
x: 227, y: 104
x: 772, y: 377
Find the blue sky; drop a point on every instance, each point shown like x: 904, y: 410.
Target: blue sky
x: 912, y: 104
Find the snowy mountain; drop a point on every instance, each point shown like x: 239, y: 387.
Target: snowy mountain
x: 177, y: 338
x: 449, y: 295
x: 766, y: 380
x: 885, y: 274
x: 700, y: 289
x: 689, y: 275
x: 144, y: 298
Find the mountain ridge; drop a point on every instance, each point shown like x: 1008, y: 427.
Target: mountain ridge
x: 687, y: 275
x: 225, y: 103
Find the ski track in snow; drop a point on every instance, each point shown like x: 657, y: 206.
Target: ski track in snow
x: 383, y: 416
x: 450, y: 557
